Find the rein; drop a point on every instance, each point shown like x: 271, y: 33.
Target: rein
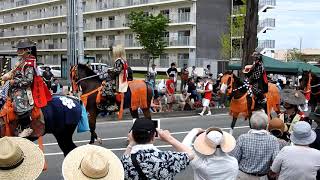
x: 88, y: 77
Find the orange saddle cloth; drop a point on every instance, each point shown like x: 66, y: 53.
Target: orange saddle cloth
x: 138, y: 90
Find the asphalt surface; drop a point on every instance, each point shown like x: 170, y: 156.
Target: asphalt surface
x: 114, y: 135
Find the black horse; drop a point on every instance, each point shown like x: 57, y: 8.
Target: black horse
x: 61, y: 117
x: 310, y: 84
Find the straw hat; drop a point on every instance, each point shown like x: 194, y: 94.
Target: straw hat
x: 92, y: 162
x: 302, y: 134
x: 293, y: 97
x: 247, y: 69
x: 25, y: 43
x: 277, y: 125
x: 20, y: 159
x: 207, y: 142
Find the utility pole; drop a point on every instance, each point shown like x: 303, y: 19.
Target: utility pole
x: 250, y: 31
x: 80, y: 31
x: 71, y: 33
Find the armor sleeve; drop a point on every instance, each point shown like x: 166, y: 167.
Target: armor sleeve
x: 118, y: 66
x: 257, y: 71
x: 26, y: 79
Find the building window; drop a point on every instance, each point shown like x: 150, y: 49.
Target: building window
x: 129, y: 3
x: 164, y: 60
x: 112, y: 21
x: 166, y: 38
x: 99, y: 42
x: 184, y: 15
x: 165, y: 13
x: 129, y: 40
x: 99, y: 23
x: 183, y: 58
x: 183, y: 38
x: 111, y: 40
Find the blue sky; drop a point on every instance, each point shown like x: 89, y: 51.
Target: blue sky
x: 295, y: 19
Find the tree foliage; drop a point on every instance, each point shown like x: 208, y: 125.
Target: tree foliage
x: 225, y: 41
x: 149, y: 31
x: 294, y: 54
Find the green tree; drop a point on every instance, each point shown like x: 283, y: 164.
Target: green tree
x: 294, y: 54
x: 149, y: 31
x: 225, y: 41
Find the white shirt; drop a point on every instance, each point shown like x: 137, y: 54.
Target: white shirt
x: 219, y: 166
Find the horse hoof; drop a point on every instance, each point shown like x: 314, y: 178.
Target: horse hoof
x: 99, y: 140
x: 91, y: 142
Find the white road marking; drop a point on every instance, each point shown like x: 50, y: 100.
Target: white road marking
x: 122, y: 149
x: 118, y: 138
x: 186, y: 117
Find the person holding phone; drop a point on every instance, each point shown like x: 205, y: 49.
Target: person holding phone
x: 142, y: 160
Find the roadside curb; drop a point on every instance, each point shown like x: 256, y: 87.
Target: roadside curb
x: 127, y: 115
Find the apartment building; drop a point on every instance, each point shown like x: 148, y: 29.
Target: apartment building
x: 106, y: 24
x: 265, y: 46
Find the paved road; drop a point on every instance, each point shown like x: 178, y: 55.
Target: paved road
x: 114, y: 137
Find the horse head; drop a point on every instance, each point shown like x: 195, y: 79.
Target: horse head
x: 82, y: 75
x: 226, y: 82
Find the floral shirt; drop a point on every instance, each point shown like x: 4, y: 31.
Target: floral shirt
x: 155, y: 164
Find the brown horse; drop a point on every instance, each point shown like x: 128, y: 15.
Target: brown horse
x: 243, y: 105
x: 310, y: 85
x: 90, y: 83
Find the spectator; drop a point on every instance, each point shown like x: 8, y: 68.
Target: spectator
x: 256, y: 150
x: 211, y: 158
x: 207, y: 71
x: 152, y: 74
x: 200, y: 89
x: 184, y: 77
x: 56, y: 87
x: 194, y: 74
x: 207, y: 97
x: 299, y: 161
x: 184, y: 101
x: 192, y: 89
x: 316, y: 117
x: 142, y: 160
x: 47, y: 77
x: 170, y: 92
x: 20, y: 159
x: 173, y: 70
x: 277, y: 128
x: 156, y: 102
x: 92, y: 162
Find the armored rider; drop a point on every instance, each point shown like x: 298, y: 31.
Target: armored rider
x: 21, y: 80
x: 257, y: 77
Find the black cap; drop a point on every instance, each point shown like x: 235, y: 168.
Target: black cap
x: 143, y: 124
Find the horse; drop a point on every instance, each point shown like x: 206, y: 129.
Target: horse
x: 90, y: 83
x: 60, y: 117
x: 310, y: 85
x: 241, y: 103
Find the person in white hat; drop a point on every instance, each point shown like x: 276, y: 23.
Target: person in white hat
x: 299, y: 161
x: 92, y: 162
x: 211, y: 159
x: 20, y: 159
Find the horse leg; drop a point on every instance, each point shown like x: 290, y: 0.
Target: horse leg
x: 92, y: 125
x: 134, y: 114
x: 147, y: 113
x: 233, y: 124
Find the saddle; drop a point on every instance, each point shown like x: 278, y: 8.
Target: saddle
x: 9, y: 124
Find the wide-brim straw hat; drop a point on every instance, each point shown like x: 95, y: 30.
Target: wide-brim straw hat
x: 12, y: 150
x: 92, y: 162
x: 277, y: 124
x: 24, y: 43
x: 204, y: 144
x: 247, y: 69
x: 293, y: 97
x: 302, y: 134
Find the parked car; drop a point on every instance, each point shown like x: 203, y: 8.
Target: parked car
x: 55, y: 70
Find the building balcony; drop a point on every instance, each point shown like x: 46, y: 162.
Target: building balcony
x: 9, y: 4
x: 32, y: 16
x: 112, y: 4
x: 266, y: 24
x: 34, y: 31
x: 105, y: 25
x: 98, y: 44
x: 52, y: 46
x: 264, y: 5
x: 266, y: 44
